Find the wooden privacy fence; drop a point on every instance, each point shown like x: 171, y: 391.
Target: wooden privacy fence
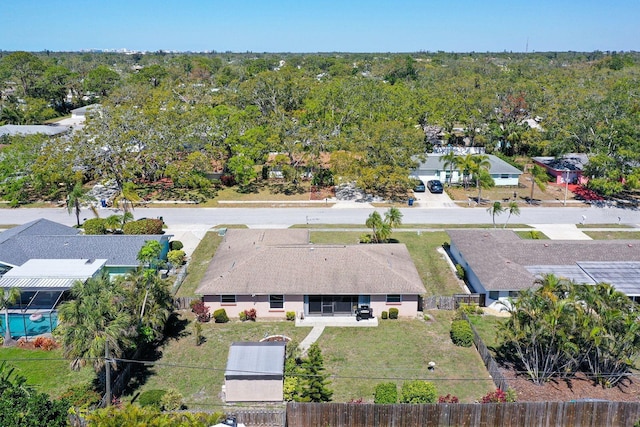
x: 520, y: 414
x: 452, y: 302
x: 489, y: 362
x: 260, y: 417
x: 183, y: 303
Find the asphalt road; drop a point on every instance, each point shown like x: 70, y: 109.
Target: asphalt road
x: 282, y: 217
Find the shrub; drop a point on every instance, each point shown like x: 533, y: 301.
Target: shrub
x: 468, y: 309
x: 386, y: 393
x: 534, y: 234
x: 393, y: 313
x: 385, y: 315
x: 250, y: 314
x: 365, y: 238
x: 418, y: 392
x: 176, y: 257
x: 171, y: 400
x: 94, y: 226
x: 152, y: 398
x: 220, y: 316
x: 449, y: 398
x: 175, y: 245
x: 291, y: 315
x: 82, y: 396
x: 143, y: 226
x: 198, y: 332
x: 461, y: 333
x: 201, y: 311
x: 243, y: 315
x: 228, y: 180
x: 460, y: 272
x: 291, y: 388
x: 497, y: 396
x: 45, y: 343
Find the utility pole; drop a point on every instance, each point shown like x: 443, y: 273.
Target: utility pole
x: 107, y: 370
x: 566, y: 187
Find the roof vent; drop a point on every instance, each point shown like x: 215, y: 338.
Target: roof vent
x: 89, y: 261
x: 546, y: 245
x: 630, y: 245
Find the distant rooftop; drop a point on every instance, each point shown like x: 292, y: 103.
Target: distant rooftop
x: 50, y: 130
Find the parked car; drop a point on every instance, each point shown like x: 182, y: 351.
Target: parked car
x: 419, y: 188
x: 435, y: 186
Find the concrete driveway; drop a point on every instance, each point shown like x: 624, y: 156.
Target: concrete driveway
x: 431, y: 200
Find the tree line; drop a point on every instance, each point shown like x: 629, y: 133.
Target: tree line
x: 180, y: 117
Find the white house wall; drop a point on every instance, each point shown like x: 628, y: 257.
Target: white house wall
x: 258, y: 390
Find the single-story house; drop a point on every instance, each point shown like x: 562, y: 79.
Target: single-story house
x: 81, y: 112
x: 502, y: 172
x: 565, y: 169
x: 255, y: 372
x: 498, y: 263
x: 275, y: 271
x: 44, y: 239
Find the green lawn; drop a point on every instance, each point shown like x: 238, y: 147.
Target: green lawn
x: 613, y: 235
x: 400, y: 350
x: 528, y: 235
x: 199, y: 262
x: 48, y: 371
x: 357, y: 358
x: 487, y: 328
x: 198, y: 371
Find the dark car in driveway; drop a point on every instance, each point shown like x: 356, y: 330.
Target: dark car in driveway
x: 419, y: 187
x: 435, y: 186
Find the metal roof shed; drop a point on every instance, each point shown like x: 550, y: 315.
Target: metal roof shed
x: 255, y: 372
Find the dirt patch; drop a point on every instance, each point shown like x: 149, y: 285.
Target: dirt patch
x: 579, y: 387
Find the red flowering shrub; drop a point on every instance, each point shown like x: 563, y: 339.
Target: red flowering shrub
x: 45, y: 343
x: 497, y: 396
x: 201, y: 311
x: 449, y: 398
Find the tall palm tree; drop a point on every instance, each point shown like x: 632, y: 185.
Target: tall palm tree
x: 481, y: 164
x: 127, y: 195
x: 9, y: 297
x: 450, y: 160
x: 76, y: 197
x: 495, y: 209
x: 466, y: 164
x: 513, y: 209
x: 379, y: 229
x: 96, y: 316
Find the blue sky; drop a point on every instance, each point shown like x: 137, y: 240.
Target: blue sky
x: 321, y: 26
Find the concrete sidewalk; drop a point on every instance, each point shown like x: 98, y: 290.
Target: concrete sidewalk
x: 561, y: 231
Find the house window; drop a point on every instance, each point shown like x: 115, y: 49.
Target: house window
x: 393, y: 298
x: 514, y: 294
x: 276, y: 302
x: 227, y: 299
x: 494, y: 295
x: 505, y: 176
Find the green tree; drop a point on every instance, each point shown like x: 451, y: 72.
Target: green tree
x: 480, y: 170
x: 450, y: 161
x: 96, y: 315
x: 75, y: 198
x: 379, y: 228
x: 315, y: 386
x: 101, y: 80
x: 149, y: 254
x: 538, y: 177
x: 513, y: 209
x: 21, y: 405
x: 495, y: 209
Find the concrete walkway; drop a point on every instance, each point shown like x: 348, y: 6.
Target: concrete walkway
x: 310, y: 339
x: 561, y: 231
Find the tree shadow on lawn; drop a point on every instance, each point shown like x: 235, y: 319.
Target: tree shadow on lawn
x: 175, y: 329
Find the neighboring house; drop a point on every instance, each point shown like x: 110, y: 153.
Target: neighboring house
x: 433, y: 168
x: 49, y: 130
x: 275, y: 271
x: 498, y: 263
x: 44, y: 239
x: 565, y: 169
x: 81, y: 113
x: 255, y: 372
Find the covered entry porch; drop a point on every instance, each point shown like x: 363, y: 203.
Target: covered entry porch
x: 334, y: 305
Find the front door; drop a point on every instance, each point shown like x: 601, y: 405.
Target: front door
x: 327, y: 306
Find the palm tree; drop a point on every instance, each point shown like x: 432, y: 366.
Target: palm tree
x: 9, y: 297
x: 466, y: 164
x: 450, y: 160
x: 75, y: 198
x: 393, y: 217
x: 481, y: 164
x: 538, y: 177
x: 377, y: 226
x: 495, y: 209
x: 127, y: 195
x: 116, y: 222
x: 513, y: 209
x: 96, y: 316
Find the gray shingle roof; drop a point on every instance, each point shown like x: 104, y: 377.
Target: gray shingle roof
x: 282, y: 262
x: 435, y: 162
x: 572, y: 162
x: 13, y: 130
x: 255, y: 360
x: 501, y: 259
x: 43, y: 239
